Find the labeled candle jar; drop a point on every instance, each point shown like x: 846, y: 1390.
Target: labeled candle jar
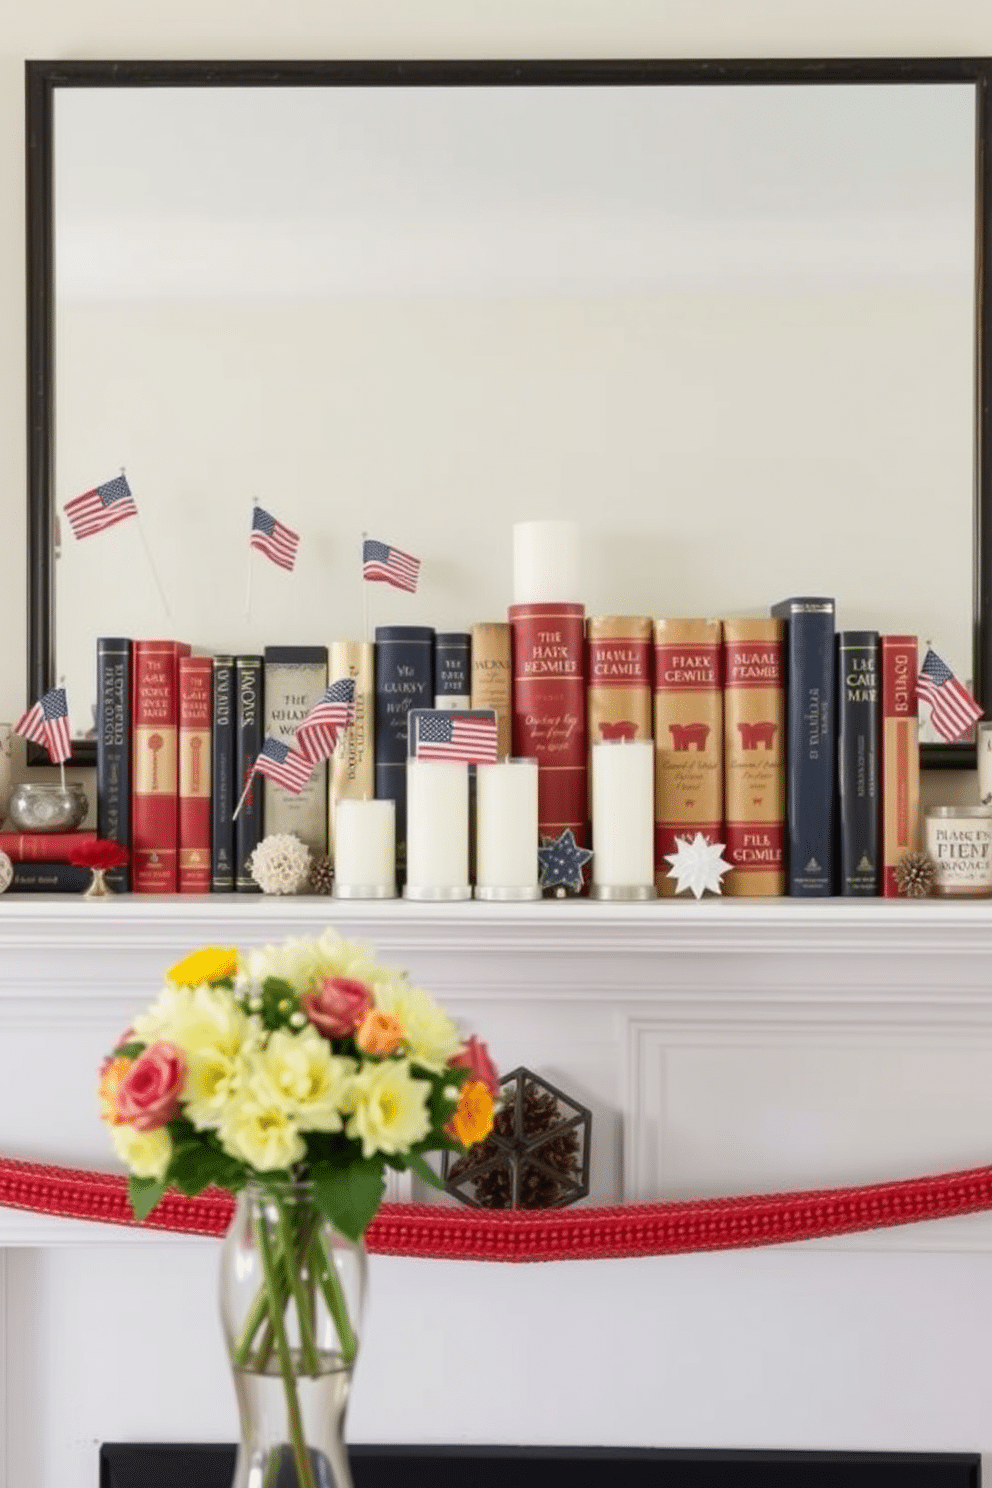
x: 959, y: 840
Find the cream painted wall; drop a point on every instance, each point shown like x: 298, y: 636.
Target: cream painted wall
x: 395, y: 28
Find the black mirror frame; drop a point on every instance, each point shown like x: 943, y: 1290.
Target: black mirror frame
x: 42, y: 78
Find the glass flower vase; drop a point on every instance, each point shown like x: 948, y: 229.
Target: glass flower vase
x: 292, y: 1289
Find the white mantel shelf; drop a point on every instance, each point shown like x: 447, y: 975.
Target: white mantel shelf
x: 723, y: 1046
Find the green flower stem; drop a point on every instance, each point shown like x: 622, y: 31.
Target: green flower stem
x: 276, y: 1304
x: 308, y: 1343
x: 330, y: 1285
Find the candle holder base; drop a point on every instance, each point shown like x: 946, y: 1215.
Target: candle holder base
x: 363, y: 891
x: 433, y: 892
x: 517, y: 892
x: 623, y: 891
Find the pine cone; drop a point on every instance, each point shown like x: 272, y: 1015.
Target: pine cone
x: 321, y: 878
x: 494, y: 1189
x: 915, y: 874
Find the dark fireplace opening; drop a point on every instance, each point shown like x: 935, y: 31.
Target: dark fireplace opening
x: 154, y: 1465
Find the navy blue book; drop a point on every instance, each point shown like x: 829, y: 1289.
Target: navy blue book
x: 222, y: 778
x: 404, y: 679
x: 248, y: 739
x: 113, y: 750
x: 859, y: 715
x: 810, y: 743
x: 452, y: 669
x: 49, y: 878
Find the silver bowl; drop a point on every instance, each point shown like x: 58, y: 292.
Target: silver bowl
x: 47, y: 808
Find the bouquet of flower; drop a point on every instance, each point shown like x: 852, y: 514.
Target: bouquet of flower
x: 307, y: 1061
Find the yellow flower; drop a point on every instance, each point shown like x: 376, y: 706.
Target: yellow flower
x: 431, y: 1037
x: 388, y: 1108
x: 211, y: 964
x: 299, y: 1071
x: 473, y: 1119
x: 110, y: 1082
x: 257, y: 1129
x: 147, y: 1153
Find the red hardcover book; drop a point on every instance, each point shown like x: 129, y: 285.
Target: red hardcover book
x: 900, y: 756
x: 43, y: 847
x: 549, y: 711
x: 155, y: 778
x: 195, y: 802
x: 754, y: 756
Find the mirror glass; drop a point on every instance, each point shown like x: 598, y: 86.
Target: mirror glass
x: 730, y: 330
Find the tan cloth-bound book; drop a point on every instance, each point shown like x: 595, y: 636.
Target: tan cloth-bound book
x: 352, y: 765
x: 900, y: 756
x: 492, y: 677
x: 688, y: 738
x: 754, y: 756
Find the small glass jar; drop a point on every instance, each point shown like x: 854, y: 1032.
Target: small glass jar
x: 959, y: 840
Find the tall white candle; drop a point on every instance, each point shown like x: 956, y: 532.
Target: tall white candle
x: 437, y: 829
x: 506, y: 834
x: 623, y: 816
x: 365, y: 849
x: 546, y: 563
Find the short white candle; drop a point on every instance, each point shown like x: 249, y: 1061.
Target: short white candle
x: 365, y: 849
x: 546, y: 563
x: 437, y: 829
x: 506, y: 834
x: 623, y: 814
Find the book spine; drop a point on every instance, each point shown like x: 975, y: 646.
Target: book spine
x: 754, y: 756
x: 618, y: 672
x: 295, y: 679
x: 155, y: 783
x: 810, y: 743
x: 492, y: 677
x: 44, y: 847
x: 248, y: 738
x: 222, y: 793
x: 688, y: 737
x: 858, y: 727
x: 196, y: 679
x: 900, y: 756
x: 549, y: 711
x: 404, y: 679
x: 352, y: 765
x: 452, y: 669
x: 113, y: 750
x: 49, y: 878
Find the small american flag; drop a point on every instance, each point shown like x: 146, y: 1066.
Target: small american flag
x: 103, y: 507
x: 382, y: 564
x: 47, y: 723
x: 952, y: 707
x: 274, y: 538
x: 439, y: 734
x: 284, y: 765
x: 317, y: 735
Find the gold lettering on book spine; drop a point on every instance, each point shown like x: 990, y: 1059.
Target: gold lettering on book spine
x: 688, y: 737
x: 352, y: 772
x: 754, y: 756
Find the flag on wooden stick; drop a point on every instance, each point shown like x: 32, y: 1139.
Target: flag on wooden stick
x: 47, y: 723
x: 952, y: 707
x: 317, y: 735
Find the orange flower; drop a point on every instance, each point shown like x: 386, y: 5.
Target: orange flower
x: 473, y: 1119
x: 379, y: 1033
x: 111, y: 1079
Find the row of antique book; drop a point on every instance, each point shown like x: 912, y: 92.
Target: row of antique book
x: 791, y: 742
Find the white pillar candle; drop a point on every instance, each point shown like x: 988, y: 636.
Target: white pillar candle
x: 623, y: 818
x: 506, y: 833
x: 546, y: 563
x: 437, y: 829
x: 365, y: 849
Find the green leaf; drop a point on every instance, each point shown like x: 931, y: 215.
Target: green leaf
x: 144, y: 1194
x: 350, y: 1196
x: 194, y: 1167
x: 130, y: 1050
x: 424, y: 1171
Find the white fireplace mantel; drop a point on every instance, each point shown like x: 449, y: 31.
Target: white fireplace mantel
x: 723, y: 1047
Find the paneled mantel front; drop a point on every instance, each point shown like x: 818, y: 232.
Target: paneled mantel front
x: 723, y: 1046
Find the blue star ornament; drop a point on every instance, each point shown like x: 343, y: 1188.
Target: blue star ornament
x: 562, y: 860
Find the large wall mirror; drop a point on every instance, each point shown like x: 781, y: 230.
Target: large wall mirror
x: 727, y: 315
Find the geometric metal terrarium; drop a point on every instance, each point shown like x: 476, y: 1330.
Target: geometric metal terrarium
x: 535, y: 1157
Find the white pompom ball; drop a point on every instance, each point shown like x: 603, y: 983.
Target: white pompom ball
x: 280, y: 864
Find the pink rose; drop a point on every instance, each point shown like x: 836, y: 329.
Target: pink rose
x: 339, y: 1007
x: 148, y: 1096
x: 475, y: 1056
